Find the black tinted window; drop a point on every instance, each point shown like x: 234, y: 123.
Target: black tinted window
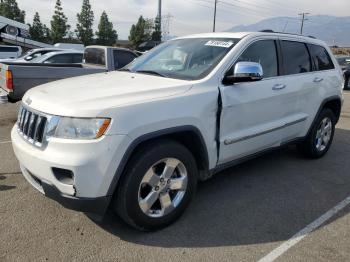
x: 296, y: 58
x: 95, y: 56
x: 263, y: 52
x: 77, y: 58
x: 8, y: 49
x: 61, y: 59
x: 122, y: 58
x: 321, y: 58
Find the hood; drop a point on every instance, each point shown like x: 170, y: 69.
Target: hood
x: 87, y: 96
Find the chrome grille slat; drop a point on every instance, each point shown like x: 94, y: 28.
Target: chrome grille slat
x: 36, y: 128
x: 31, y: 126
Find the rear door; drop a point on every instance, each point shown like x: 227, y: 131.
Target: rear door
x: 252, y: 112
x: 298, y: 76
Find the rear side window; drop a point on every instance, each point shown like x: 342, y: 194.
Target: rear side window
x: 122, y: 58
x: 296, y: 58
x: 60, y: 59
x: 77, y: 58
x: 95, y: 56
x: 263, y: 52
x: 321, y: 58
x: 8, y: 49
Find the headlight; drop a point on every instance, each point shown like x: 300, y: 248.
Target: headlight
x: 77, y: 128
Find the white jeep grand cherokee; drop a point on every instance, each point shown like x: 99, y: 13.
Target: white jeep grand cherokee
x: 138, y: 140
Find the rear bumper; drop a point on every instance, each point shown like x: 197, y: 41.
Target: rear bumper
x: 3, y: 96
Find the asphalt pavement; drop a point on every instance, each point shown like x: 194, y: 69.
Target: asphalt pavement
x: 244, y: 213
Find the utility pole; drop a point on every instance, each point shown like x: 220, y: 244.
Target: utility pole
x: 214, y: 25
x: 160, y: 14
x: 303, y: 19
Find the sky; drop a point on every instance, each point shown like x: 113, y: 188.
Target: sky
x: 187, y: 16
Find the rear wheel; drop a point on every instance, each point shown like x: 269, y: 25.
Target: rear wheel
x: 157, y: 186
x: 320, y: 138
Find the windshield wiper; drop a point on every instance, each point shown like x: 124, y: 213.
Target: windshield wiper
x: 150, y: 72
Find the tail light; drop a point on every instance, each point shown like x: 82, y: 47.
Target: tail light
x: 9, y: 80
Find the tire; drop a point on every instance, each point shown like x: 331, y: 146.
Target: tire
x: 318, y: 142
x: 142, y: 181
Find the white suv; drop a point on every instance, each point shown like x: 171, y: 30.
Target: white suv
x: 138, y: 140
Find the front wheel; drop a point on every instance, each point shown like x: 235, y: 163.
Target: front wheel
x: 318, y: 142
x: 157, y: 186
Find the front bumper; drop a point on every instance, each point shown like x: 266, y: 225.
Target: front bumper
x: 93, y: 163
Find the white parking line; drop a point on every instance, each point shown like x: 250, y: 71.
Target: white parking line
x: 5, y: 142
x: 273, y: 255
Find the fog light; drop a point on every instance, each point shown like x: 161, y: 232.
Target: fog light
x: 65, y: 176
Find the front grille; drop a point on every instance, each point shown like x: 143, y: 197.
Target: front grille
x: 31, y: 126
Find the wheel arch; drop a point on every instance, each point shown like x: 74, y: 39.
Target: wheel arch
x: 333, y: 103
x: 189, y: 136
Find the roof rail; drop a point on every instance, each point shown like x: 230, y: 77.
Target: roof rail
x: 271, y: 31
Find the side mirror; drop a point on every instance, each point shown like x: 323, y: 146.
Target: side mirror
x: 245, y: 72
x: 28, y: 58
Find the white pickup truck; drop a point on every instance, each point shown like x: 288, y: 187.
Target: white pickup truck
x: 138, y: 140
x: 16, y: 78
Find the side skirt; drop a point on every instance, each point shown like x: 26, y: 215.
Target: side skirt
x: 235, y: 162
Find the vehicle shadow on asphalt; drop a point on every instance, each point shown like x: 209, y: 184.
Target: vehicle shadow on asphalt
x: 5, y: 187
x: 264, y: 200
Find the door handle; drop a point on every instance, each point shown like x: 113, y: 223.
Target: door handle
x: 318, y: 79
x: 278, y: 87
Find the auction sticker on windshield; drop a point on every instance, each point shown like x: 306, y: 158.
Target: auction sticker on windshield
x: 219, y: 43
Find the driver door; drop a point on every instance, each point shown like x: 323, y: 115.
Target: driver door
x: 252, y: 112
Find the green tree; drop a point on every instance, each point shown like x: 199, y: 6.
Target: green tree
x: 37, y: 30
x: 141, y: 32
x: 85, y: 22
x: 59, y: 26
x: 106, y: 35
x: 10, y: 9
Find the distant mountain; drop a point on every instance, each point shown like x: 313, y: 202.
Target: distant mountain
x: 332, y: 29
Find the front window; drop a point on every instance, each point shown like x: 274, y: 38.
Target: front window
x: 187, y: 59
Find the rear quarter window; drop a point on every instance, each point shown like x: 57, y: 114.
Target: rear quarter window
x: 321, y: 58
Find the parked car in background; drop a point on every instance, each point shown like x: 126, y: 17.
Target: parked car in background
x: 17, y: 78
x: 139, y: 140
x: 60, y: 57
x: 8, y: 51
x: 31, y: 54
x: 344, y: 62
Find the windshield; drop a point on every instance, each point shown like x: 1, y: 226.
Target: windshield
x: 187, y: 59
